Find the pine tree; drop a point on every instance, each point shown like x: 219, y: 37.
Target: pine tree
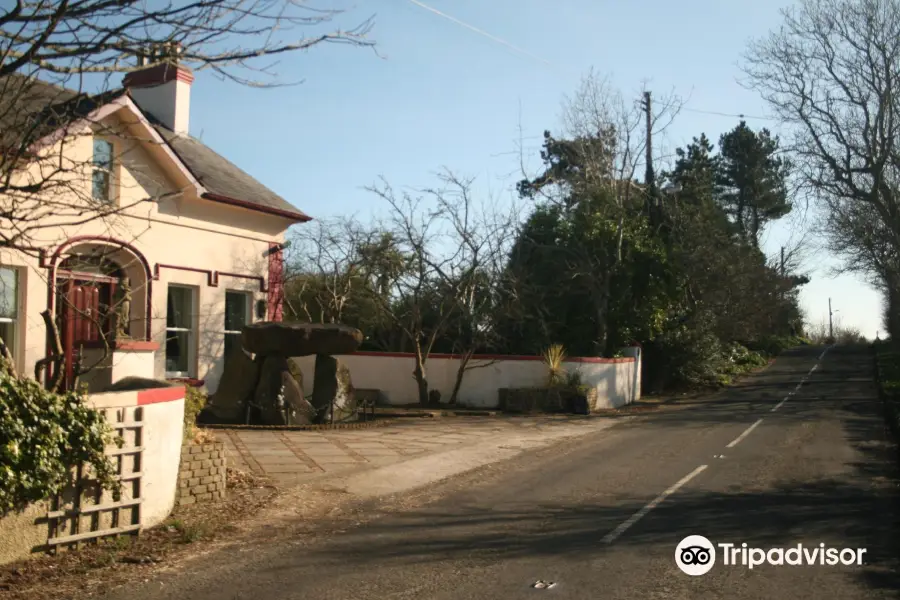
x: 752, y: 180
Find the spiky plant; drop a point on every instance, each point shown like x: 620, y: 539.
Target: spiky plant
x: 553, y: 358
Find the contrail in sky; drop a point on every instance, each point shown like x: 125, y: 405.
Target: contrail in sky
x: 481, y: 32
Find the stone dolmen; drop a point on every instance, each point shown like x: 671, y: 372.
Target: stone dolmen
x: 268, y: 388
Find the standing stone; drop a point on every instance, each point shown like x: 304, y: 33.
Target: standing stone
x: 279, y: 395
x: 229, y: 404
x: 332, y: 382
x: 300, y: 339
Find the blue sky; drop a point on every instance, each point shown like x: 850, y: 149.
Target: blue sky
x: 439, y: 95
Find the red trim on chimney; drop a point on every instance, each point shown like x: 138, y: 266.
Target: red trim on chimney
x: 156, y: 395
x: 276, y: 283
x: 158, y: 75
x: 296, y: 216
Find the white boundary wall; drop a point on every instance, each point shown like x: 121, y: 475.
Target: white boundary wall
x: 617, y: 380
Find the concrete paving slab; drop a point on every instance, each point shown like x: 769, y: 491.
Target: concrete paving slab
x: 296, y: 457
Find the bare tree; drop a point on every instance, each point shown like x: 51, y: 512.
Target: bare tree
x: 485, y: 234
x: 830, y: 72
x: 324, y: 268
x: 450, y: 251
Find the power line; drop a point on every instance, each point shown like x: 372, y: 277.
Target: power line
x: 482, y: 32
x: 722, y: 114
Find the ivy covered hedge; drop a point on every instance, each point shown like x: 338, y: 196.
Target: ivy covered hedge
x: 43, y: 435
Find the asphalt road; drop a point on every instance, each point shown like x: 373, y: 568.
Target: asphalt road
x: 602, y: 517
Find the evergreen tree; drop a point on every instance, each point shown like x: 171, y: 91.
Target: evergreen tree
x: 752, y: 180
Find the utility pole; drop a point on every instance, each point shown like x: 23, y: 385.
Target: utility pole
x: 653, y: 200
x: 830, y: 324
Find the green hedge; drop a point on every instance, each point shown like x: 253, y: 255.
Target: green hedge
x: 773, y: 345
x: 43, y: 436
x: 887, y: 370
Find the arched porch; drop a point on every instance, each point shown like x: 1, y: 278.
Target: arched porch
x: 100, y: 300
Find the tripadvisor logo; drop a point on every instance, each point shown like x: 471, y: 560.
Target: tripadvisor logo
x: 696, y: 555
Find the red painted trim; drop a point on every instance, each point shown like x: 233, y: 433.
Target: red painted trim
x: 296, y: 216
x: 156, y: 395
x: 571, y: 359
x: 261, y: 280
x: 211, y: 279
x: 126, y: 345
x: 275, y: 300
x: 50, y: 265
x: 158, y: 75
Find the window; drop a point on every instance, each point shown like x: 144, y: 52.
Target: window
x: 180, y: 332
x: 102, y: 170
x: 9, y: 307
x: 237, y: 314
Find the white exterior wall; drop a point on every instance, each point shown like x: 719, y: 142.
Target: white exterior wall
x: 181, y: 230
x: 163, y: 431
x: 392, y: 373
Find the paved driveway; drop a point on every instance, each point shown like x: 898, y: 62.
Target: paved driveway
x: 294, y: 457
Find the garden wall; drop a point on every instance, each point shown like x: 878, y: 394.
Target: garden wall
x: 616, y: 380
x: 154, y: 455
x: 202, y: 476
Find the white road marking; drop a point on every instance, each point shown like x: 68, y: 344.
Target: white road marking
x: 738, y: 439
x: 615, y: 533
x: 796, y: 389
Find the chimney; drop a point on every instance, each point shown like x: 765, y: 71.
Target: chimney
x: 163, y: 89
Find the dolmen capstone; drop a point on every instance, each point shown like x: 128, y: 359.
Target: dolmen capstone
x: 268, y: 389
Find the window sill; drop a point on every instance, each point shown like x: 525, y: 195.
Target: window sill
x: 126, y: 345
x: 188, y: 381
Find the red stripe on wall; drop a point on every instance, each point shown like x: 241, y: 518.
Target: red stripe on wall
x: 156, y: 395
x: 482, y: 357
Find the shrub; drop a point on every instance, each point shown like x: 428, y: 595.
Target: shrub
x: 691, y: 356
x: 43, y: 436
x: 773, y: 345
x: 194, y: 401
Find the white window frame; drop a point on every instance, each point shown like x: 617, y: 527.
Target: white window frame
x: 110, y: 172
x: 16, y: 319
x: 248, y: 313
x: 192, y: 331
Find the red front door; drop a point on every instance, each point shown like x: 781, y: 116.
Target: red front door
x: 81, y: 316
